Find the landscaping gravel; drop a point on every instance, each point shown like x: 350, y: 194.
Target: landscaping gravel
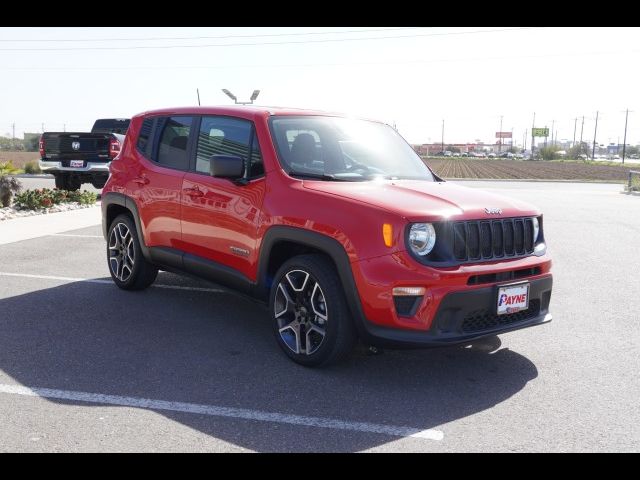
x: 8, y: 213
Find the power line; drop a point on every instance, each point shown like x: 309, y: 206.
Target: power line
x: 287, y: 42
x: 311, y: 65
x: 217, y: 37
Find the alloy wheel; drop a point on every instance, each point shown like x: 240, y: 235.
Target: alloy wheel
x: 121, y: 252
x: 301, y: 312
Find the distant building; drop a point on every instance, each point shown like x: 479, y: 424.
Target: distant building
x: 435, y: 148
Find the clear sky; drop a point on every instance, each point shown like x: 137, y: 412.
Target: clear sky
x: 415, y: 77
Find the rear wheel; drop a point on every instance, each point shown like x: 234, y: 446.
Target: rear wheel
x: 311, y: 320
x: 73, y: 183
x: 128, y: 267
x: 61, y: 183
x: 99, y: 182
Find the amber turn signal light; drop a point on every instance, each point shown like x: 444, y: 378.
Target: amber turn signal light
x: 387, y: 234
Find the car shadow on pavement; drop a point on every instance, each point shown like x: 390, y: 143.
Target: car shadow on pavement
x: 218, y: 349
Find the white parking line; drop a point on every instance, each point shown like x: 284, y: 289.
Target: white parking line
x: 108, y: 282
x: 216, y: 411
x: 75, y: 235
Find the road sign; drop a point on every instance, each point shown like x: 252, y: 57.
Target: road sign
x: 503, y: 134
x: 540, y: 132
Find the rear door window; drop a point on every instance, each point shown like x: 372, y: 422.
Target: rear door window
x: 174, y: 142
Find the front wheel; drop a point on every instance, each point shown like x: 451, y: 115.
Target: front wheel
x: 128, y: 267
x: 311, y: 320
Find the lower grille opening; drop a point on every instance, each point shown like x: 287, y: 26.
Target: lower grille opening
x: 480, y: 320
x: 503, y: 276
x: 406, y: 306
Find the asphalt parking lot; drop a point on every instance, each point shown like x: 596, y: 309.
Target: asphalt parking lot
x: 188, y: 366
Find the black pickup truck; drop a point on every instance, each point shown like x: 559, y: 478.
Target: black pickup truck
x: 74, y: 158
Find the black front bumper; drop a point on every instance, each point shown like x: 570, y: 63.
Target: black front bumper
x: 468, y: 315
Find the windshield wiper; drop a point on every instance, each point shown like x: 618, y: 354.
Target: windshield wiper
x: 320, y: 176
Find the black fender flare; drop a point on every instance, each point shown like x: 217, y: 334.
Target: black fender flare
x: 115, y: 198
x: 330, y: 246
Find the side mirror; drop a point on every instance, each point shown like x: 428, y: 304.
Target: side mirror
x: 226, y: 166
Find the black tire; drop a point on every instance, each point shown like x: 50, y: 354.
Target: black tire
x: 99, y: 182
x: 61, y: 182
x: 339, y: 335
x: 73, y: 183
x: 137, y: 273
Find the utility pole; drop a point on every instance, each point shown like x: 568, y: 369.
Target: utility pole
x: 198, y: 92
x: 43, y: 127
x: 553, y: 142
x: 575, y: 126
x: 593, y: 150
x: 500, y: 137
x: 524, y: 139
x: 533, y: 139
x: 624, y: 142
x: 442, y: 139
x: 547, y: 137
x: 13, y: 125
x: 581, y: 130
x: 512, y: 139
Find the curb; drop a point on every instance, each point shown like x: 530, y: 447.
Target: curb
x: 33, y: 175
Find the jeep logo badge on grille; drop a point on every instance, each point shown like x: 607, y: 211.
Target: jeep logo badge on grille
x: 493, y: 211
x: 75, y: 145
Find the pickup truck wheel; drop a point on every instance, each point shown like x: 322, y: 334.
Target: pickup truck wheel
x: 311, y: 320
x: 99, y: 183
x: 73, y: 183
x: 61, y: 182
x: 128, y: 267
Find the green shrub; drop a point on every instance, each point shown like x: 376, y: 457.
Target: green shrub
x: 32, y: 168
x: 85, y: 197
x: 7, y: 168
x: 45, y: 198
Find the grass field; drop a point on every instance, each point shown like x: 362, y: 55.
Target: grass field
x: 518, y: 169
x: 18, y: 158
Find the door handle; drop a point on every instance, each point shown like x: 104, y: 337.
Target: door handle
x: 193, y: 192
x: 141, y: 180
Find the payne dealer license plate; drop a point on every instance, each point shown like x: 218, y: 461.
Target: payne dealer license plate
x: 513, y: 298
x: 76, y: 163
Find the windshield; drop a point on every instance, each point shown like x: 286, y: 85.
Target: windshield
x: 343, y: 149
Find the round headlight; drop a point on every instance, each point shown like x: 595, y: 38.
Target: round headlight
x: 422, y: 238
x: 536, y: 229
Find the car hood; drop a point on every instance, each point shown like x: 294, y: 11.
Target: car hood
x: 426, y: 201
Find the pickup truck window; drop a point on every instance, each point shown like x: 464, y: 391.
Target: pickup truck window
x: 172, y: 149
x: 343, y: 149
x: 111, y: 125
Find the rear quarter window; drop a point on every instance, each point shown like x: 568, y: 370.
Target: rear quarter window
x: 144, y: 138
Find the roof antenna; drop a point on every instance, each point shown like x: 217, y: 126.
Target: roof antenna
x: 198, y: 91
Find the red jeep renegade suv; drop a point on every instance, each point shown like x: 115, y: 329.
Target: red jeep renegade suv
x: 335, y: 222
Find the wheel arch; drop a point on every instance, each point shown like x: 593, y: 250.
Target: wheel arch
x: 282, y: 242
x: 114, y: 204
